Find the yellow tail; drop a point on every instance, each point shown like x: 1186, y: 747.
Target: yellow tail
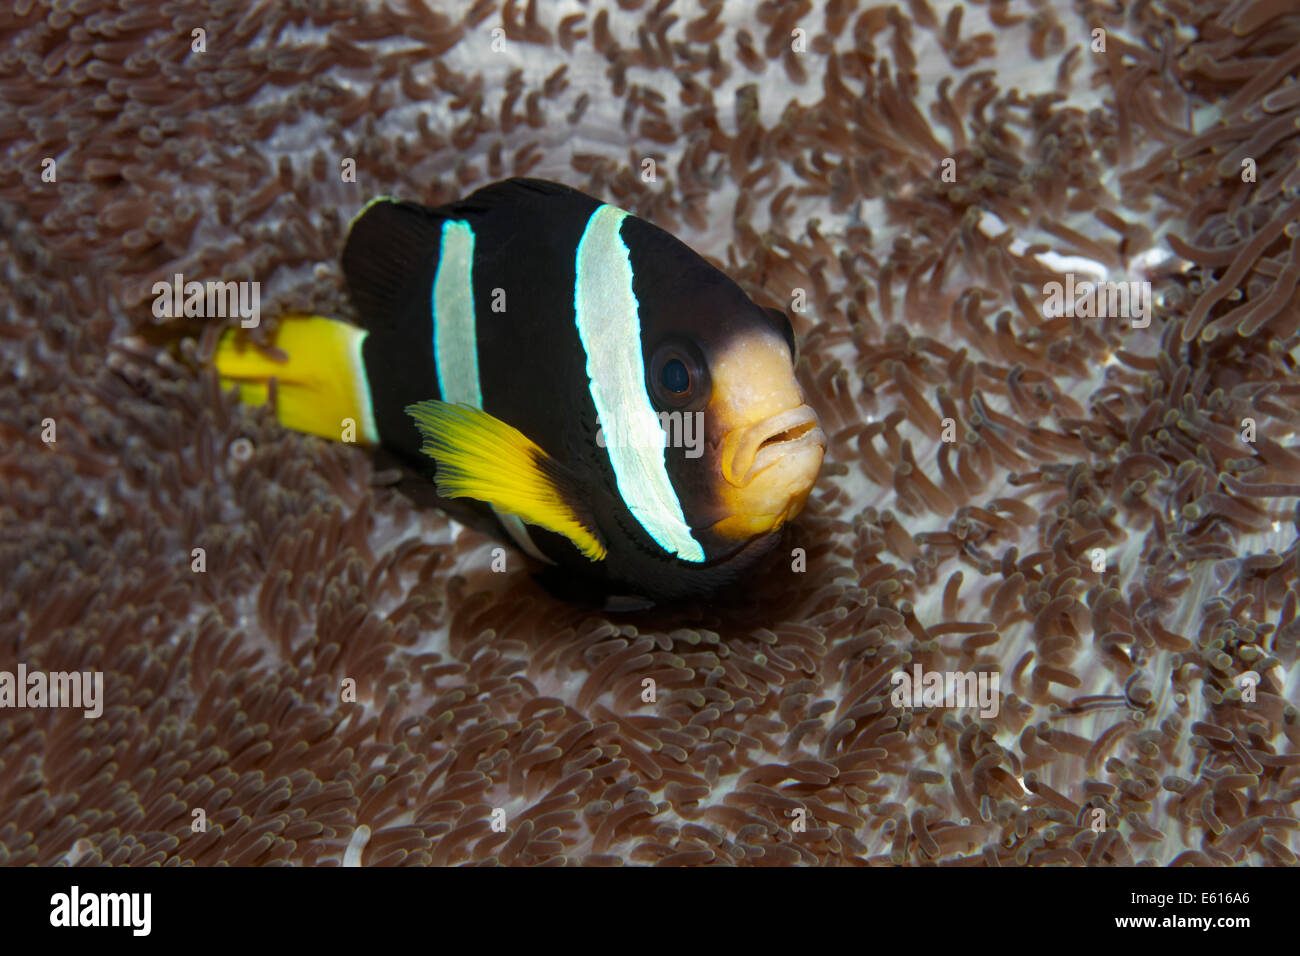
x: 321, y: 388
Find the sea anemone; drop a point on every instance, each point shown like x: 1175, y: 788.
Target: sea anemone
x: 301, y: 665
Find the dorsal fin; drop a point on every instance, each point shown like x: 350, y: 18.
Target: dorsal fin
x: 389, y: 259
x: 391, y: 253
x: 519, y: 191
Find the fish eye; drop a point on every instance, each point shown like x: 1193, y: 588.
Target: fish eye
x: 677, y: 376
x: 674, y: 376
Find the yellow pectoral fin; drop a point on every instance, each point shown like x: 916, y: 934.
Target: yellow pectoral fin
x: 482, y: 457
x: 320, y: 386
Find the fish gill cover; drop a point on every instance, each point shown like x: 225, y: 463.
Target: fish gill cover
x: 1041, y: 258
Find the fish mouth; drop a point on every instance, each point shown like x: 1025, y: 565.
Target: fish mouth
x: 749, y: 451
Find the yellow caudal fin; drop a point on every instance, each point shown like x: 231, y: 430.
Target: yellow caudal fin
x: 482, y: 457
x: 320, y: 387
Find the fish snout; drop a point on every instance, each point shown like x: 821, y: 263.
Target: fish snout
x: 769, y: 468
x: 751, y: 451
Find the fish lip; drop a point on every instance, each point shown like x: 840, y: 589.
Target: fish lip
x: 748, y: 451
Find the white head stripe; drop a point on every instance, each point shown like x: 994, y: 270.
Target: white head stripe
x: 609, y: 324
x: 455, y: 342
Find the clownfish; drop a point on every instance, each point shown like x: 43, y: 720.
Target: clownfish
x: 614, y: 404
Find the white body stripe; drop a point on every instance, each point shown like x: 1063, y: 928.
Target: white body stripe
x: 455, y: 343
x: 609, y: 324
x: 369, y: 430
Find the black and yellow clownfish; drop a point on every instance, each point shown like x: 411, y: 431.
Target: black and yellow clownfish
x: 616, y: 404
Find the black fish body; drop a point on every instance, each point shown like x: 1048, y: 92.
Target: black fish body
x: 530, y: 343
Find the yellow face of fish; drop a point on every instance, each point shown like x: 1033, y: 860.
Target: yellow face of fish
x: 771, y: 446
x: 762, y: 445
